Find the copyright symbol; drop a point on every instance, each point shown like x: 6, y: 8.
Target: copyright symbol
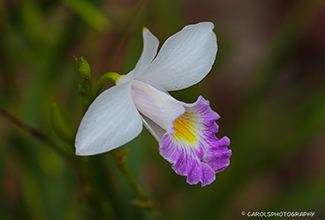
x: 243, y: 213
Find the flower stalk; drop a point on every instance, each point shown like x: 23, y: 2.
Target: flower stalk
x: 111, y: 76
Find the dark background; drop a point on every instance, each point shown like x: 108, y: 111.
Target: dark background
x: 267, y: 84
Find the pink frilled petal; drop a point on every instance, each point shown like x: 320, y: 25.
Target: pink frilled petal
x: 192, y: 147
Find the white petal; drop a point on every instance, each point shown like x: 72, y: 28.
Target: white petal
x: 184, y: 59
x: 111, y: 121
x: 150, y: 46
x: 158, y: 106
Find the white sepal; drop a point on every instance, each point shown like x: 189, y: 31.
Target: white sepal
x: 111, y: 121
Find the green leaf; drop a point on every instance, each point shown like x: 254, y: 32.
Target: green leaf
x: 89, y: 13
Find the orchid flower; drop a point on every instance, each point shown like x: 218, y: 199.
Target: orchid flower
x: 185, y: 132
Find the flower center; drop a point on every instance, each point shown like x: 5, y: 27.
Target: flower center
x: 184, y: 128
x: 158, y: 106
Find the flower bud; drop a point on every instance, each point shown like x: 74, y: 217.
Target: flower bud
x: 85, y: 85
x: 83, y: 68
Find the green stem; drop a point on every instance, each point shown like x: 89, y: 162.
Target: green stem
x: 43, y: 138
x: 144, y: 201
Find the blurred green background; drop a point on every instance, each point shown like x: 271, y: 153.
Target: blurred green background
x: 268, y: 85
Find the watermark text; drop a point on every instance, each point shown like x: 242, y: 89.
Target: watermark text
x: 285, y: 214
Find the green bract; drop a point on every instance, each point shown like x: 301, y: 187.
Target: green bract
x: 62, y: 123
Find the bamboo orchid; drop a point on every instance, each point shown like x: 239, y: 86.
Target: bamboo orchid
x: 185, y: 132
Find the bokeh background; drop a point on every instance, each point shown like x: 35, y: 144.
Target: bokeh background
x: 268, y: 85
